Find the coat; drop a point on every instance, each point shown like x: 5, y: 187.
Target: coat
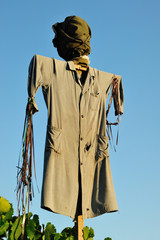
x: 75, y: 137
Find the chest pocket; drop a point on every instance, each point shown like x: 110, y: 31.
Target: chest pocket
x: 93, y: 101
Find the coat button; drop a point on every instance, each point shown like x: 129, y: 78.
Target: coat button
x: 82, y: 116
x: 81, y: 139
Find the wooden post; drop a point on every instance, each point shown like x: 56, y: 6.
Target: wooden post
x: 79, y: 225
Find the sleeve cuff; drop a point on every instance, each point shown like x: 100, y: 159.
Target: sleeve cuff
x: 34, y: 104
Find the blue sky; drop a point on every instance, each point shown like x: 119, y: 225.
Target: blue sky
x: 125, y: 41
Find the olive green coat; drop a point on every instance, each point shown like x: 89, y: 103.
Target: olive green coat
x: 75, y: 136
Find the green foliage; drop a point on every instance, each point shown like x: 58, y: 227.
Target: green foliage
x: 4, y: 205
x: 49, y: 231
x: 16, y: 229
x: 3, y: 228
x: 11, y: 227
x: 67, y: 233
x: 6, y: 212
x: 88, y: 233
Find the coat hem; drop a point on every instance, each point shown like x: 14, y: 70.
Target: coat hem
x: 48, y: 208
x: 85, y: 216
x: 99, y: 214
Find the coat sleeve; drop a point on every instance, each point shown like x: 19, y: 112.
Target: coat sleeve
x: 36, y: 78
x: 119, y: 96
x: 116, y: 88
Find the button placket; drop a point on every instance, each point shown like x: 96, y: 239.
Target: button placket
x: 80, y: 130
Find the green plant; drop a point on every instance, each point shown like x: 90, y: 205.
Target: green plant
x: 11, y: 227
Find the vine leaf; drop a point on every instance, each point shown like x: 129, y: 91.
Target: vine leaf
x: 30, y: 229
x: 9, y: 214
x: 16, y: 229
x: 68, y: 233
x: 49, y: 232
x: 4, y: 227
x: 36, y: 219
x: 88, y: 233
x: 70, y: 238
x: 57, y: 236
x: 4, y: 205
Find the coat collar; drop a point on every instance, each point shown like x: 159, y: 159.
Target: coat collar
x: 90, y: 77
x: 71, y: 66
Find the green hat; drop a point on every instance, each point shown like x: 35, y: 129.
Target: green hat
x: 72, y: 38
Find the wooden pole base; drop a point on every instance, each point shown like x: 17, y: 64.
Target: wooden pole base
x: 79, y: 225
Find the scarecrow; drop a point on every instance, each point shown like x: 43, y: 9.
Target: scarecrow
x: 77, y: 177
